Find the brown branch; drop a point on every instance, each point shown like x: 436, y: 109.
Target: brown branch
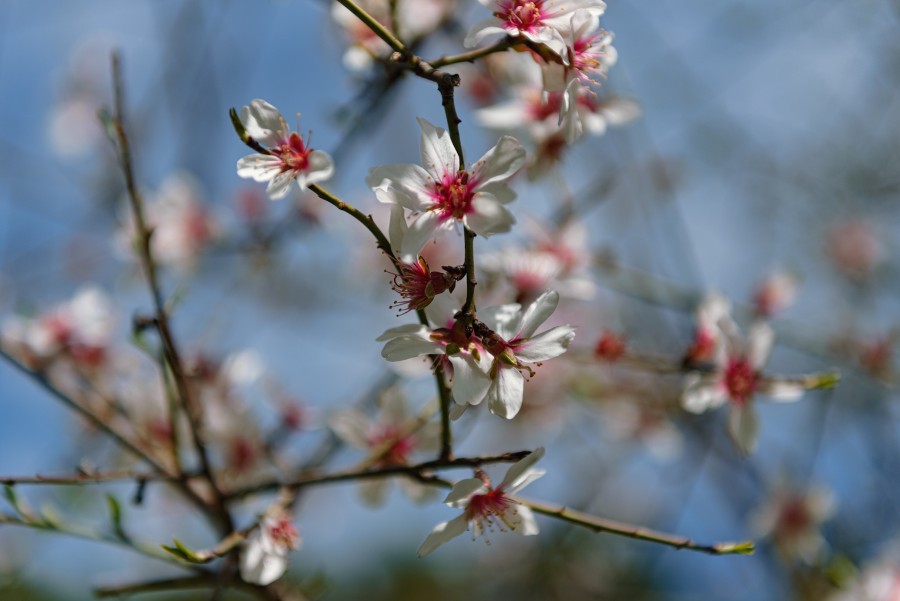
x: 170, y: 349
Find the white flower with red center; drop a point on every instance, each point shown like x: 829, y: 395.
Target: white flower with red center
x: 444, y: 194
x: 390, y: 438
x: 486, y: 508
x: 264, y: 556
x: 509, y: 336
x: 538, y: 21
x: 590, y: 54
x: 774, y: 294
x: 462, y: 354
x: 736, y: 380
x: 416, y: 284
x: 288, y: 159
x: 791, y: 519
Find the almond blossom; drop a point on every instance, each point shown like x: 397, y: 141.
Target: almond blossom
x: 444, y: 193
x: 538, y: 21
x: 391, y: 437
x: 509, y: 336
x: 485, y: 508
x: 288, y: 159
x: 737, y: 379
x: 590, y: 53
x: 264, y: 555
x: 791, y: 519
x: 462, y: 353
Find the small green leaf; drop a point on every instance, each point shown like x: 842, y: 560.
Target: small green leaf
x: 115, y: 516
x: 746, y: 547
x: 182, y: 552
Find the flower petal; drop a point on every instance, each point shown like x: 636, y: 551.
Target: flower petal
x: 404, y: 330
x: 505, y: 394
x: 515, y: 474
x: 470, y: 382
x: 438, y: 155
x: 405, y: 184
x: 280, y: 184
x: 420, y: 231
x: 320, y: 167
x: 488, y: 216
x: 759, y: 344
x: 500, y: 162
x: 464, y: 490
x: 503, y: 319
x: 352, y: 427
x: 481, y: 30
x: 407, y: 347
x: 442, y: 533
x: 259, y: 167
x: 702, y: 393
x: 537, y: 313
x: 546, y: 345
x: 780, y: 390
x: 743, y: 426
x: 525, y: 525
x: 263, y: 122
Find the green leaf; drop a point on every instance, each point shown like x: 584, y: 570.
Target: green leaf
x: 115, y: 516
x: 182, y: 552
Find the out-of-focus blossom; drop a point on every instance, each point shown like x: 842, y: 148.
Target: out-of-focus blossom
x: 791, y: 519
x: 736, y: 380
x: 486, y: 508
x: 610, y: 347
x: 538, y: 21
x: 854, y: 248
x: 879, y: 581
x: 264, y: 554
x: 390, y: 438
x: 181, y: 224
x: 774, y: 294
x: 413, y: 18
x: 79, y: 330
x: 289, y: 159
x: 708, y: 336
x: 444, y: 193
x: 590, y: 53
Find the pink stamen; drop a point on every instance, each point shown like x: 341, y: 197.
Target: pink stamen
x: 740, y: 380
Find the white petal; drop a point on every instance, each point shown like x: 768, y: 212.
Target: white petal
x: 489, y: 216
x: 518, y: 470
x: 263, y: 122
x: 404, y: 184
x: 743, y: 427
x: 442, y: 533
x: 259, y: 167
x: 619, y: 111
x: 759, y: 344
x: 503, y: 319
x: 546, y: 345
x: 507, y: 115
x: 438, y: 155
x: 481, y: 30
x: 527, y: 525
x: 470, y: 382
x: 500, y: 191
x: 702, y: 393
x: 537, y: 313
x: 397, y: 228
x: 320, y: 167
x: 500, y: 162
x: 407, y: 347
x: 280, y: 185
x: 442, y: 309
x: 421, y: 230
x: 505, y: 394
x: 779, y: 390
x: 404, y: 330
x: 464, y: 490
x: 374, y: 492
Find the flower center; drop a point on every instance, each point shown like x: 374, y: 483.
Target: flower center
x: 398, y: 449
x: 794, y: 518
x: 453, y: 195
x: 488, y: 506
x: 293, y: 153
x: 284, y: 533
x: 521, y: 16
x: 540, y: 109
x: 740, y: 380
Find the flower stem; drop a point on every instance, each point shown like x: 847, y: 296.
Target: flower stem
x: 637, y: 532
x: 376, y: 27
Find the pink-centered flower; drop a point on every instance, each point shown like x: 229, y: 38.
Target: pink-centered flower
x: 264, y: 556
x: 444, y: 193
x: 538, y: 21
x: 512, y: 342
x: 289, y: 158
x: 791, y: 518
x: 461, y: 352
x: 486, y: 508
x: 736, y: 380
